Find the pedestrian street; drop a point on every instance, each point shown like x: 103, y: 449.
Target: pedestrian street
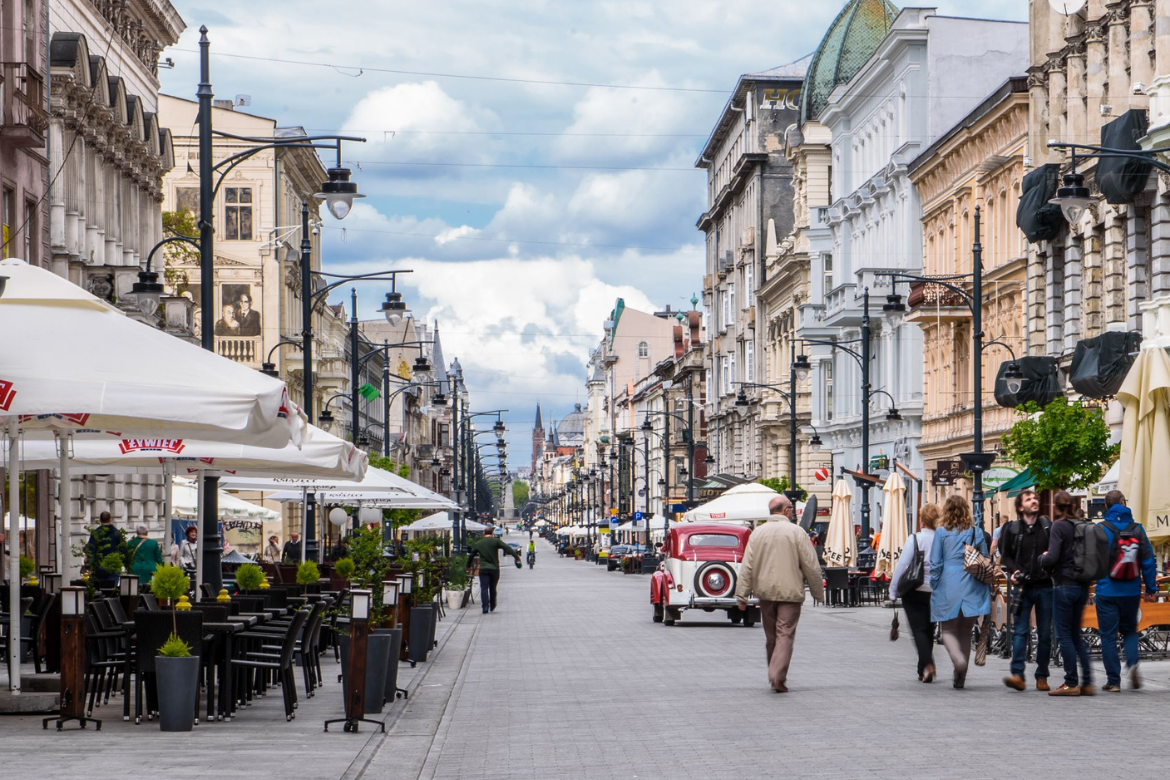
x: 570, y: 678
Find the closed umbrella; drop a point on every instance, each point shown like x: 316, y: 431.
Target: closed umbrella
x: 840, y: 542
x: 894, y: 532
x: 1145, y: 441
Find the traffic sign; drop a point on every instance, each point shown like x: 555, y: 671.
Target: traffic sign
x: 637, y: 517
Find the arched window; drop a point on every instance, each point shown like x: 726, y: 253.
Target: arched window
x: 643, y: 349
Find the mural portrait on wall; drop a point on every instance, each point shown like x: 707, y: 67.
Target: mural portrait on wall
x: 242, y: 320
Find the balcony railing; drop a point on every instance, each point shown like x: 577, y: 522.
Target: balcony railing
x: 22, y: 100
x: 241, y: 350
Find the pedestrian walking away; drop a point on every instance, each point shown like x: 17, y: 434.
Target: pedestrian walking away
x: 1022, y: 543
x: 1118, y: 598
x: 916, y: 600
x: 1069, y: 597
x: 104, y: 540
x: 777, y: 563
x: 958, y: 599
x: 144, y: 556
x: 487, y: 551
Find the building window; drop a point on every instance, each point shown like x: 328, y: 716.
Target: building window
x: 749, y: 360
x: 827, y: 264
x: 725, y: 310
x: 731, y: 369
x: 31, y: 231
x: 238, y: 213
x: 187, y: 199
x: 7, y: 228
x: 731, y: 302
x: 643, y: 349
x: 749, y: 284
x: 827, y: 369
x: 724, y: 376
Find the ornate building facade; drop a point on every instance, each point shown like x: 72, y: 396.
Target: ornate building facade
x: 978, y: 163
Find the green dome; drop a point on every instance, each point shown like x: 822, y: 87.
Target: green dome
x: 851, y: 40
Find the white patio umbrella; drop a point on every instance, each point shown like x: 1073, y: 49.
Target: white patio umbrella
x: 840, y: 541
x: 185, y: 503
x: 1145, y: 441
x: 894, y: 532
x: 72, y: 362
x: 746, y: 503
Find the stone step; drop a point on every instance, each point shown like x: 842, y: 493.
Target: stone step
x: 27, y: 703
x: 41, y: 683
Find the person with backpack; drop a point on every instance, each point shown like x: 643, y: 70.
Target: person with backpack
x: 1071, y: 557
x: 1022, y: 542
x: 911, y: 582
x: 1131, y: 560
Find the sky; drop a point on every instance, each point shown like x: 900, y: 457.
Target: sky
x: 528, y: 161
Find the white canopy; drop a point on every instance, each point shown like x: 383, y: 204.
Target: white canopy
x: 320, y: 455
x: 185, y: 503
x: 746, y: 503
x: 378, y: 488
x: 440, y: 521
x: 72, y: 362
x: 81, y: 365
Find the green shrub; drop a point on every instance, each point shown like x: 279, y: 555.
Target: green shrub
x: 175, y: 648
x: 169, y: 582
x: 345, y: 568
x: 112, y: 563
x: 308, y: 573
x: 27, y: 567
x: 249, y: 577
x: 457, y: 576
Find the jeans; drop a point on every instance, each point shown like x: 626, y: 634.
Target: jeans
x: 1068, y: 606
x: 487, y: 589
x: 1039, y: 599
x: 916, y: 604
x: 1114, y: 614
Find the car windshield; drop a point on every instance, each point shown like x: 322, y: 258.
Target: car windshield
x: 713, y: 540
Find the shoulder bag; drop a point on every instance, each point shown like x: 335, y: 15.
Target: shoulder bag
x: 976, y: 563
x: 915, y: 574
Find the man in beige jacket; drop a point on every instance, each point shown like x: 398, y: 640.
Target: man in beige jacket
x: 778, y: 561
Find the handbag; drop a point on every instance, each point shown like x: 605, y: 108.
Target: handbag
x: 915, y: 574
x: 976, y: 563
x: 894, y: 628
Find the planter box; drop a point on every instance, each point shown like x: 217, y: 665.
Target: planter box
x: 422, y: 632
x: 378, y: 646
x: 391, y: 687
x: 178, y: 692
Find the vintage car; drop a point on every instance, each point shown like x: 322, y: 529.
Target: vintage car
x: 700, y: 570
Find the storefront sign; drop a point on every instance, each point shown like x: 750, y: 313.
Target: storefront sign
x: 994, y: 477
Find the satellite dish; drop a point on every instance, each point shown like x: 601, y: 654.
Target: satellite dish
x: 809, y: 515
x: 1067, y: 7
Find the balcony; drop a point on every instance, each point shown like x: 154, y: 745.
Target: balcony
x: 241, y: 350
x: 22, y: 101
x: 935, y: 304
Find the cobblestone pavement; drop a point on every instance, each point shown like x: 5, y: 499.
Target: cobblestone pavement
x: 570, y: 678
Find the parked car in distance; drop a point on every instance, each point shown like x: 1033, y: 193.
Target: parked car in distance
x: 700, y: 570
x: 616, y: 552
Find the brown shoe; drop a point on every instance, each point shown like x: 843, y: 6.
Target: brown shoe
x: 1042, y: 684
x: 1015, y: 682
x: 782, y: 688
x: 1135, y: 678
x: 1066, y: 690
x: 928, y: 674
x: 1088, y: 690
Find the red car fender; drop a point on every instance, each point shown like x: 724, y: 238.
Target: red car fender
x: 660, y: 581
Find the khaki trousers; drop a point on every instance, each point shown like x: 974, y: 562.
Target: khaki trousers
x: 780, y: 619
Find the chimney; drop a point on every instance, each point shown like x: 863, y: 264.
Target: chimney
x: 227, y: 105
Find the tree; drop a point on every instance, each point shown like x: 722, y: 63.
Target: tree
x: 519, y: 493
x: 1065, y: 445
x: 780, y: 485
x: 177, y: 253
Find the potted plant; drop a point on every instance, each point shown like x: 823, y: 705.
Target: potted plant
x: 27, y: 567
x: 366, y: 567
x: 110, y: 569
x: 308, y: 574
x: 249, y: 578
x: 176, y: 670
x: 343, y: 569
x: 457, y: 581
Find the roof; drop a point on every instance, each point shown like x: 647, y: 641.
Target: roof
x: 852, y: 39
x: 793, y: 71
x: 437, y: 360
x: 539, y: 425
x: 1014, y: 85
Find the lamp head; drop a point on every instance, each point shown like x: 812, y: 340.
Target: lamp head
x: 439, y: 400
x: 893, y: 309
x: 646, y: 426
x: 1072, y: 197
x: 499, y: 428
x: 709, y: 460
x: 393, y: 308
x: 741, y: 398
x: 269, y: 369
x: 815, y: 443
x: 801, y: 367
x: 893, y: 414
x: 422, y: 365
x: 147, y: 292
x: 325, y: 420
x: 339, y: 192
x: 1014, y: 377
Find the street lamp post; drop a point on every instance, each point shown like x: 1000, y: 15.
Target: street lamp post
x: 978, y: 461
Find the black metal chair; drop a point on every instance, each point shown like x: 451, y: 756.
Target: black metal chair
x: 282, y: 665
x: 305, y: 649
x: 839, y: 590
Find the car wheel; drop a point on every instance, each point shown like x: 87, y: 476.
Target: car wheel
x: 671, y: 617
x: 609, y: 566
x: 715, y: 579
x: 749, y: 621
x: 657, y: 613
x: 736, y: 615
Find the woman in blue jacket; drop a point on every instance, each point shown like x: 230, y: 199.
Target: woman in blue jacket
x: 958, y: 599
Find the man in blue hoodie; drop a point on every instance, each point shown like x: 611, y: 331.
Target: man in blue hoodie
x: 1118, y: 600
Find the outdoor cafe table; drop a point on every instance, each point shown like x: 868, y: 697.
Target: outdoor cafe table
x: 223, y: 633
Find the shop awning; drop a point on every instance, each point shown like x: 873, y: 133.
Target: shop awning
x: 1017, y: 484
